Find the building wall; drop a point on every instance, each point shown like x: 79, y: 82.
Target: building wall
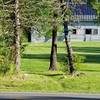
x: 81, y: 29
x: 99, y: 30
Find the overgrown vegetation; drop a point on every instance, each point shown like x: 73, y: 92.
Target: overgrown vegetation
x: 6, y: 53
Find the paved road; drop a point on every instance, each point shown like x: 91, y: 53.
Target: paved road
x: 47, y: 96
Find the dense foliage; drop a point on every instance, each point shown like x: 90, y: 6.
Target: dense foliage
x: 37, y: 14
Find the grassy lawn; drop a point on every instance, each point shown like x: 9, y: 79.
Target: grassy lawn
x: 35, y: 63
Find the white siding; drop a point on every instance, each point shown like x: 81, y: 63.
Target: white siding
x: 80, y: 31
x: 99, y: 30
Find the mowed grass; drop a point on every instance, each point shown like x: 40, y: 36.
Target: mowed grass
x: 35, y: 64
x: 36, y: 56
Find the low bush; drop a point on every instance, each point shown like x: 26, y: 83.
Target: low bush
x: 77, y: 60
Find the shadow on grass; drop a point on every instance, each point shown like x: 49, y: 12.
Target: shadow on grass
x: 36, y: 56
x: 90, y: 58
x: 42, y: 56
x: 89, y: 70
x: 48, y: 74
x: 87, y: 49
x: 77, y: 49
x: 49, y: 47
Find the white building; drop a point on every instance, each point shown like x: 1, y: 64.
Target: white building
x: 86, y: 26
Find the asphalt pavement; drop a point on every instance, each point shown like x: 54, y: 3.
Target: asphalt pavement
x: 47, y: 96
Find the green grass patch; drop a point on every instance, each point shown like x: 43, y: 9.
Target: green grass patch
x: 35, y: 63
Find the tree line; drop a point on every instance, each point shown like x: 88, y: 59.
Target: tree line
x: 18, y: 16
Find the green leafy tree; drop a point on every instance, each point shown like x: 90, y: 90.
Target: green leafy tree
x: 67, y: 17
x: 6, y: 39
x: 23, y: 15
x: 53, y: 56
x: 96, y: 5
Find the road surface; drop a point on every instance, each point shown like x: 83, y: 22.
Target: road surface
x: 47, y: 96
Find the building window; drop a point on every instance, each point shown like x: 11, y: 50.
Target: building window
x: 74, y: 31
x: 95, y: 31
x: 88, y: 31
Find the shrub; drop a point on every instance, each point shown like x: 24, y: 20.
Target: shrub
x: 4, y: 65
x: 6, y: 54
x: 78, y: 59
x: 63, y: 64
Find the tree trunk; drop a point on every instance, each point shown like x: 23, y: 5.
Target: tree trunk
x: 69, y: 49
x: 68, y: 44
x: 53, y: 56
x: 17, y: 37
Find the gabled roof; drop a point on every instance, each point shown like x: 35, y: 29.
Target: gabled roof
x: 83, y: 12
x: 83, y: 9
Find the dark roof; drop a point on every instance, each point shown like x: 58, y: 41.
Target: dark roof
x: 83, y: 9
x: 83, y: 12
